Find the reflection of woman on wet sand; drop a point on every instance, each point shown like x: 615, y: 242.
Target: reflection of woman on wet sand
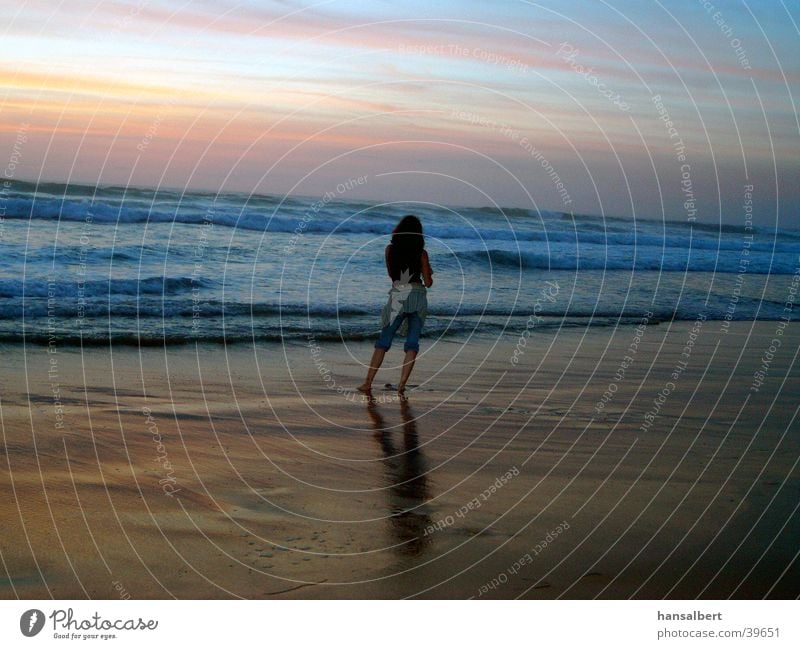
x: 405, y: 472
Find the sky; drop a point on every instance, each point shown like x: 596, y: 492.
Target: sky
x: 627, y: 108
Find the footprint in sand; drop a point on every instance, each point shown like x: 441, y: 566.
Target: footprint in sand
x: 594, y: 577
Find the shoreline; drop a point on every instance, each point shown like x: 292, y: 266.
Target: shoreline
x: 489, y: 333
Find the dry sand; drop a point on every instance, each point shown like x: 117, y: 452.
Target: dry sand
x: 217, y: 473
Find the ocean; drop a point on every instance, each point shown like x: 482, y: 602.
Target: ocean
x: 92, y: 265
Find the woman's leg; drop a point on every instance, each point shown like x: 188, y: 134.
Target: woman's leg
x: 381, y: 347
x: 374, y: 365
x: 412, y: 349
x: 408, y: 365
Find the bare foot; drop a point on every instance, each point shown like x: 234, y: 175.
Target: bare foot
x: 401, y: 390
x: 366, y: 388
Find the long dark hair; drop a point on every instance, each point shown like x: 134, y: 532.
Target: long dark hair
x: 405, y: 253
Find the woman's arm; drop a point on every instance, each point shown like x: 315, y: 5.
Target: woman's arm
x: 427, y: 271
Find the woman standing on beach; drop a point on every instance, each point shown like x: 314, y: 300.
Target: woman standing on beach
x: 410, y: 271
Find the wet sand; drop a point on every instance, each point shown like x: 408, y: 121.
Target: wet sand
x: 243, y: 472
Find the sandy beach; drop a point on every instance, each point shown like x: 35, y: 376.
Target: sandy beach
x: 214, y: 472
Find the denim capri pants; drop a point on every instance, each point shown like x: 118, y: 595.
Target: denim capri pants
x: 412, y: 338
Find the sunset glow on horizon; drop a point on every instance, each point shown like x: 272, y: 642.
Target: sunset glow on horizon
x: 459, y: 103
